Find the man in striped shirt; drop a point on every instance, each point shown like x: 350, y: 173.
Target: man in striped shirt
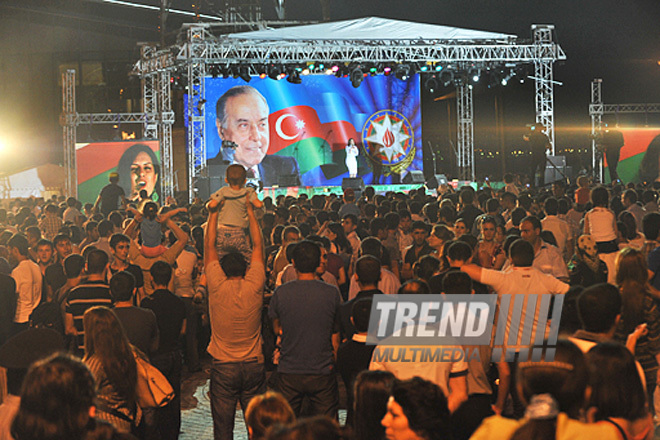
x: 94, y: 292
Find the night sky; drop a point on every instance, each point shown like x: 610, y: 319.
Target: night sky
x: 618, y: 41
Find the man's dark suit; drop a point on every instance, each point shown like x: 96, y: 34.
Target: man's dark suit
x: 271, y: 168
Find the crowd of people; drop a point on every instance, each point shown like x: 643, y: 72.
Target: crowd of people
x: 279, y: 294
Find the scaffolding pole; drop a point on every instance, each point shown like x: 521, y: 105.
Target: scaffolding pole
x: 68, y: 122
x: 196, y: 101
x: 543, y: 74
x: 465, y: 135
x: 596, y: 111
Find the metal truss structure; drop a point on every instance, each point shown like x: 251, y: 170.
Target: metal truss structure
x: 201, y: 48
x: 545, y: 107
x: 156, y: 120
x: 597, y: 109
x: 68, y: 122
x: 464, y: 109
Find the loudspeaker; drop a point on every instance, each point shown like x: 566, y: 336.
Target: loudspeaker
x: 288, y: 180
x: 206, y: 186
x: 414, y: 177
x: 551, y: 173
x: 436, y: 181
x: 355, y: 183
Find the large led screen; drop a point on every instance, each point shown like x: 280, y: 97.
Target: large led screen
x: 136, y: 162
x: 285, y: 131
x: 640, y: 155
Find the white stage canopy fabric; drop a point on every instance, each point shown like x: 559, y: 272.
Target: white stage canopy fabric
x: 373, y: 28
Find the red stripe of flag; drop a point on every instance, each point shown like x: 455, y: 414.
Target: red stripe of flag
x: 293, y: 124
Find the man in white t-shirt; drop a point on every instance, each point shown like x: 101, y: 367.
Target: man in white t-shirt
x: 559, y: 228
x: 520, y: 279
x: 28, y: 278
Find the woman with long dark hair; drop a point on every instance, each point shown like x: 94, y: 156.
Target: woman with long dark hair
x: 109, y: 355
x: 372, y: 391
x: 139, y: 170
x: 638, y: 307
x: 335, y: 232
x: 553, y: 393
x: 57, y: 402
x: 617, y: 393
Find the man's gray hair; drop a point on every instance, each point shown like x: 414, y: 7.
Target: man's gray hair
x: 234, y: 91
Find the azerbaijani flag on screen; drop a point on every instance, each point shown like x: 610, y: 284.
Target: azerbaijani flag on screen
x: 313, y: 122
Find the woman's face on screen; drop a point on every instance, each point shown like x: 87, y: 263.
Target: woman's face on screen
x: 143, y: 174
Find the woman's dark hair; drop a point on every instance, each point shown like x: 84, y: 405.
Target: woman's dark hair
x: 616, y: 388
x: 425, y: 406
x: 341, y: 241
x: 628, y: 220
x: 648, y: 170
x: 631, y: 277
x: 372, y: 390
x: 105, y: 339
x: 124, y: 167
x: 55, y: 401
x: 565, y: 379
x: 266, y: 410
x: 600, y: 197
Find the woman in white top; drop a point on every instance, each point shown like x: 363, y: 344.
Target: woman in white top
x: 352, y: 153
x: 600, y: 222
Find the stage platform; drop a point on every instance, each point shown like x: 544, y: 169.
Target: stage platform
x: 295, y: 191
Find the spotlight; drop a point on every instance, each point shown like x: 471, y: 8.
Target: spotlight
x: 357, y: 76
x: 446, y: 77
x: 431, y: 84
x: 474, y: 75
x: 438, y: 67
x: 274, y: 72
x: 387, y: 70
x: 402, y: 72
x: 244, y: 73
x: 294, y: 77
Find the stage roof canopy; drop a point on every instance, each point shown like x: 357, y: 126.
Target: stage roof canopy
x: 372, y: 28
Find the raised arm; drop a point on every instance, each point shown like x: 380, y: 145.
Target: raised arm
x: 181, y: 237
x: 210, y: 254
x: 255, y: 234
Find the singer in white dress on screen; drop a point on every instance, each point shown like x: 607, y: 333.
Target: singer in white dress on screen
x: 352, y: 153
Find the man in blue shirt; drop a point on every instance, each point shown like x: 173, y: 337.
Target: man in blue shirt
x: 305, y: 313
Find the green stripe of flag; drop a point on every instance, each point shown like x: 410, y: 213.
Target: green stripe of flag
x: 310, y: 153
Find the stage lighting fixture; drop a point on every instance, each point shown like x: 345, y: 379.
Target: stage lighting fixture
x: 402, y: 72
x: 387, y: 70
x: 357, y: 76
x: 234, y: 71
x: 274, y: 72
x: 294, y: 77
x: 305, y: 72
x: 244, y: 73
x: 446, y: 77
x: 474, y: 75
x: 373, y: 71
x: 431, y: 84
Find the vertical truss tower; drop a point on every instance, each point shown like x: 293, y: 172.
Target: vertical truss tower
x: 465, y: 137
x: 545, y: 105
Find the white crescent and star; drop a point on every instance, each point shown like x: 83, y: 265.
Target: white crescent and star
x: 300, y: 125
